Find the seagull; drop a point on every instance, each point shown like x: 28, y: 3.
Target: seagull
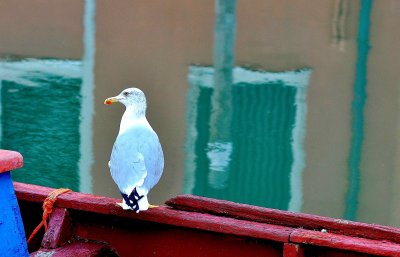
x: 137, y: 160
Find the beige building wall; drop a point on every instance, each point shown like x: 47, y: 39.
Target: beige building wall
x: 150, y: 44
x: 380, y: 178
x: 41, y: 28
x: 295, y: 34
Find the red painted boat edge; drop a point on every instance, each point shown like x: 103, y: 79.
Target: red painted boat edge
x: 10, y: 160
x: 60, y: 229
x: 77, y: 249
x: 223, y: 220
x: 162, y: 214
x: 362, y: 245
x: 284, y: 218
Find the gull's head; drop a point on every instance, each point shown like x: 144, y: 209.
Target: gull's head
x: 130, y: 97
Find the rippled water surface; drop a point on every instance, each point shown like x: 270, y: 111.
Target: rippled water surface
x: 282, y: 104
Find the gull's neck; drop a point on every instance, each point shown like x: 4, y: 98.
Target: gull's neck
x: 132, y: 116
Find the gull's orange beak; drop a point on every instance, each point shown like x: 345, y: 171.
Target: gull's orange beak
x: 111, y: 100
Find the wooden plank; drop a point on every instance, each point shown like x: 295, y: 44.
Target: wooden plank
x: 234, y: 219
x: 60, y: 229
x: 78, y: 249
x: 284, y: 218
x: 162, y: 214
x: 341, y: 242
x: 10, y: 160
x: 146, y: 239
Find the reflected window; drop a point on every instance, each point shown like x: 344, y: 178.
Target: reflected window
x: 261, y: 163
x: 40, y: 117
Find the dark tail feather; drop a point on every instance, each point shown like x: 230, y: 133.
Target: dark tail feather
x: 132, y: 199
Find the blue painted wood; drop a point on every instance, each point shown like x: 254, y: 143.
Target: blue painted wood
x: 12, y: 235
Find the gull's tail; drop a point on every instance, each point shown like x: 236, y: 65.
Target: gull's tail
x: 132, y: 200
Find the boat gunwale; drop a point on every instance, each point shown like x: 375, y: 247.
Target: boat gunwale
x: 285, y: 218
x: 162, y: 214
x: 193, y: 212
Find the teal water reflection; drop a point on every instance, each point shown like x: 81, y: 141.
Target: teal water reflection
x: 358, y: 106
x: 243, y: 141
x: 261, y: 161
x: 243, y: 130
x: 40, y: 119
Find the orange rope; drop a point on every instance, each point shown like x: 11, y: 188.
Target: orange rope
x: 48, y: 209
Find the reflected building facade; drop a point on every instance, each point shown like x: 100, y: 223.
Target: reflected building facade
x: 157, y: 46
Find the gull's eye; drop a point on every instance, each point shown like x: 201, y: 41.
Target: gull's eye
x: 126, y: 93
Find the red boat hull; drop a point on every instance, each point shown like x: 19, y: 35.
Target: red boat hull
x: 90, y: 225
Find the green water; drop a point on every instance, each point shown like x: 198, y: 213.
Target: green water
x: 263, y: 117
x: 42, y: 123
x: 248, y: 154
x: 236, y: 137
x: 245, y: 154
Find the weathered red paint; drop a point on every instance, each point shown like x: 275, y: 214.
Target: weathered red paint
x: 293, y: 250
x: 342, y: 242
x: 284, y: 218
x: 196, y: 226
x: 60, y: 229
x: 162, y: 214
x: 10, y: 160
x: 152, y: 239
x: 78, y: 249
